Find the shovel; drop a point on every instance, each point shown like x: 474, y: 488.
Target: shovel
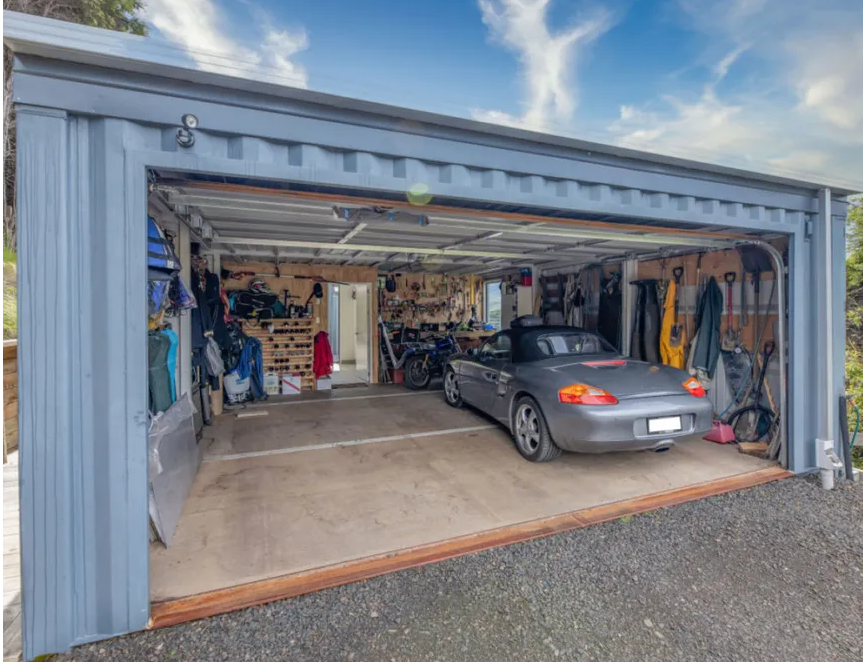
x: 731, y: 337
x: 676, y: 337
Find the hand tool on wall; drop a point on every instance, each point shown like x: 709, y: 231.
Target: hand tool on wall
x: 731, y: 337
x: 662, y: 284
x: 677, y: 337
x: 686, y: 313
x: 744, y: 313
x: 756, y: 288
x: 701, y: 284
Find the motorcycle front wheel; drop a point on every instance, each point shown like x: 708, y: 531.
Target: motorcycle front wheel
x: 418, y: 373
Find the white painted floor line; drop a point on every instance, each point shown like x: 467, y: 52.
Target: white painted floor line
x: 345, y: 444
x: 305, y: 402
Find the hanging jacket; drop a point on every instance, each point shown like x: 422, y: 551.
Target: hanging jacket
x: 158, y: 346
x: 646, y: 327
x: 172, y: 360
x: 709, y: 317
x: 323, y: 355
x: 671, y: 355
x: 608, y: 321
x: 252, y: 365
x: 201, y: 319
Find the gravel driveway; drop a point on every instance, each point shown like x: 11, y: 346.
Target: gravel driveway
x: 769, y: 573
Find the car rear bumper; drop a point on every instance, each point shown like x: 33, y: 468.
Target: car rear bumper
x: 623, y: 426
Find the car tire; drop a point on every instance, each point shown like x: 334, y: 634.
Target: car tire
x: 530, y: 432
x: 451, y: 391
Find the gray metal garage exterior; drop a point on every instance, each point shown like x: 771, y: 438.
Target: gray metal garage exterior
x: 95, y: 110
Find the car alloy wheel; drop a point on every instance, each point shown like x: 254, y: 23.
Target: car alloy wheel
x: 527, y: 428
x: 450, y: 386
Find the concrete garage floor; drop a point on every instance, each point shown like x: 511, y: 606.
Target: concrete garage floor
x: 297, y: 488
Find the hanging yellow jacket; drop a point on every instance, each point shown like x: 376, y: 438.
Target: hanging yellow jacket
x: 671, y: 355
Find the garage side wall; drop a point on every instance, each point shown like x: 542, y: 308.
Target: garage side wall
x: 83, y: 418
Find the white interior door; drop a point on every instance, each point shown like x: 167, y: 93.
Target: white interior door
x: 362, y: 330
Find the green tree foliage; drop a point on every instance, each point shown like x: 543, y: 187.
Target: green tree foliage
x: 854, y: 296
x: 854, y: 312
x: 121, y: 15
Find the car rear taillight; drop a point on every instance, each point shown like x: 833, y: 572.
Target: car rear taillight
x: 694, y: 387
x: 581, y: 393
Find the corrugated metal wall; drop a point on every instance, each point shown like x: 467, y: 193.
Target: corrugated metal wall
x: 83, y: 418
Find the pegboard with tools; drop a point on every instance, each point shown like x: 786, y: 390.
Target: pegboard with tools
x: 416, y: 298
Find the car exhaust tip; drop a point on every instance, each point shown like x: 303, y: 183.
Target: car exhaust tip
x: 663, y: 447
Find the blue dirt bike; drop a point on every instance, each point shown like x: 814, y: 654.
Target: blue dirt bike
x: 426, y: 360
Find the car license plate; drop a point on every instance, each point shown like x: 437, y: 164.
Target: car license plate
x: 663, y: 425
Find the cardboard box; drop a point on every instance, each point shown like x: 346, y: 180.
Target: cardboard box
x: 271, y: 383
x: 325, y: 383
x: 291, y: 384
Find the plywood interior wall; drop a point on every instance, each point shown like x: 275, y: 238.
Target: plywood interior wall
x: 303, y: 288
x: 716, y: 264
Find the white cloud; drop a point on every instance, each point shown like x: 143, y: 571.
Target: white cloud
x: 802, y: 116
x: 198, y: 27
x: 722, y: 67
x: 805, y: 160
x: 547, y: 60
x: 498, y: 118
x: 828, y: 76
x: 700, y: 129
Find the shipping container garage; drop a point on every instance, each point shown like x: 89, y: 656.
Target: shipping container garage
x: 273, y: 341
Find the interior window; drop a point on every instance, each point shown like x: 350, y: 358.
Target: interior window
x: 498, y: 347
x: 492, y: 303
x: 574, y: 343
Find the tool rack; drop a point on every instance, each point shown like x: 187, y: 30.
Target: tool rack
x: 289, y: 349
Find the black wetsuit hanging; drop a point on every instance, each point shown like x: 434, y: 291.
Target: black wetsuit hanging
x: 648, y: 322
x: 610, y: 302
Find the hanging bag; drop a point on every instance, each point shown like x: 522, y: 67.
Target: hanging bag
x: 160, y: 251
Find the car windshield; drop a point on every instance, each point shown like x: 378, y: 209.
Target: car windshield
x: 576, y: 343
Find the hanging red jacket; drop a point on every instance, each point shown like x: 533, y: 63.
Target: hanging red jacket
x: 323, y: 355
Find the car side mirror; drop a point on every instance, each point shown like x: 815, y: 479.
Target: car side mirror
x: 472, y: 352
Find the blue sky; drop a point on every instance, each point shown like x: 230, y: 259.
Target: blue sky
x: 774, y: 85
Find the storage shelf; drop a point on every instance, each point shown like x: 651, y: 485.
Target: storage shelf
x: 288, y: 352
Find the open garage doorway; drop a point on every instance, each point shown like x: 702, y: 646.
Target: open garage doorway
x: 311, y: 484
x: 350, y: 332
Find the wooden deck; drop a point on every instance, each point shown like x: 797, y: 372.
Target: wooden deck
x: 11, y: 562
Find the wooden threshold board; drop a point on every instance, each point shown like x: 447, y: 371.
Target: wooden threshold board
x: 171, y: 612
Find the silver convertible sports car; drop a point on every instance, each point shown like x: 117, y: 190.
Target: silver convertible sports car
x: 560, y: 388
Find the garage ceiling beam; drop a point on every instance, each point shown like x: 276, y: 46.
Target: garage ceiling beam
x: 352, y: 233
x: 482, y: 236
x: 270, y: 242
x: 457, y: 227
x: 242, y: 203
x: 583, y: 229
x: 465, y: 212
